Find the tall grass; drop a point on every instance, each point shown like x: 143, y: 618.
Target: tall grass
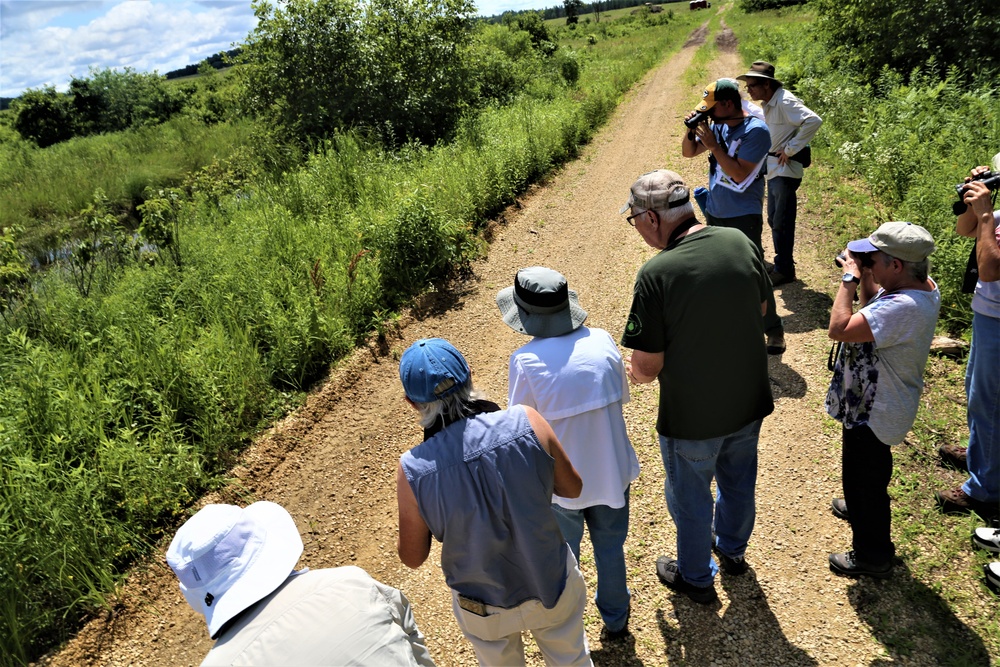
x: 119, y: 408
x: 41, y: 188
x: 908, y: 143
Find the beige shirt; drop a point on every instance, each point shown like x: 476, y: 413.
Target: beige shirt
x: 336, y: 616
x: 792, y: 125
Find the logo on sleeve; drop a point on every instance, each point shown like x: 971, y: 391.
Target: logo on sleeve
x: 634, y: 326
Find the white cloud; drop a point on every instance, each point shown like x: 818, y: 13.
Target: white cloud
x: 143, y: 34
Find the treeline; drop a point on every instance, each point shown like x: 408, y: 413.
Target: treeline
x: 109, y: 100
x: 216, y: 61
x: 578, y: 8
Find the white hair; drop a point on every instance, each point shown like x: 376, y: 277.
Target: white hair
x: 451, y: 408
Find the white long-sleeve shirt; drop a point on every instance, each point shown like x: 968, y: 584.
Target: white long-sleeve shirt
x: 792, y: 125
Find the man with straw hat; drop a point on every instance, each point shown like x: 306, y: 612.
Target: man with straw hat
x: 792, y: 126
x: 575, y: 377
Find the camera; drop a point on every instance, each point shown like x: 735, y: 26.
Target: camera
x: 696, y: 119
x: 990, y: 179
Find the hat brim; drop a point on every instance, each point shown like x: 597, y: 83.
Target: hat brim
x: 862, y: 245
x: 548, y: 325
x: 270, y: 567
x: 756, y: 75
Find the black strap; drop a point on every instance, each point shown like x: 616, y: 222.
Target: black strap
x: 680, y: 229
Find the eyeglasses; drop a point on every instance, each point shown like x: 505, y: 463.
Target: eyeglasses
x: 631, y: 219
x: 755, y: 84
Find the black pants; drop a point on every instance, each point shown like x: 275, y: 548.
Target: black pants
x: 867, y: 469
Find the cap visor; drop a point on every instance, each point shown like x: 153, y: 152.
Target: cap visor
x: 861, y: 245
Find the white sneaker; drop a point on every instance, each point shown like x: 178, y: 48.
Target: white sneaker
x: 992, y: 571
x: 987, y: 538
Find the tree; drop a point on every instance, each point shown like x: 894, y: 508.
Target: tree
x: 43, y: 116
x: 313, y: 67
x: 573, y: 10
x: 597, y: 7
x: 907, y: 34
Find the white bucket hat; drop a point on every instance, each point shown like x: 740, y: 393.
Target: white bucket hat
x: 228, y: 558
x: 540, y: 303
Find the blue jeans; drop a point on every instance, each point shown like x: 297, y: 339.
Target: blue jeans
x: 691, y: 465
x: 608, y: 529
x: 982, y: 388
x: 781, y: 205
x: 751, y: 226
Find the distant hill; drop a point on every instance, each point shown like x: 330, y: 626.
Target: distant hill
x: 218, y: 61
x: 5, y: 102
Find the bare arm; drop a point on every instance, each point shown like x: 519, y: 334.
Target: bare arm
x: 967, y: 223
x: 987, y: 249
x: 846, y: 326
x: 414, y: 543
x: 690, y: 147
x: 643, y: 367
x: 568, y: 482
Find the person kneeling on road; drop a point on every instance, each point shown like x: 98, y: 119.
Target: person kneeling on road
x: 235, y: 567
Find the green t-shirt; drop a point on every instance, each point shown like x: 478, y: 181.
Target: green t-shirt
x: 698, y: 302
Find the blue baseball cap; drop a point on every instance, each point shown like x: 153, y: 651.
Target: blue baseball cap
x: 432, y: 369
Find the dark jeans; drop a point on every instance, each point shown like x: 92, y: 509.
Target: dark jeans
x: 753, y: 227
x: 867, y: 469
x: 781, y: 205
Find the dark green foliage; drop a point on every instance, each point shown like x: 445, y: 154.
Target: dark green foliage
x: 533, y: 24
x: 909, y: 137
x: 391, y: 66
x: 111, y: 101
x: 907, y: 34
x: 761, y: 5
x: 43, y: 116
x: 573, y: 10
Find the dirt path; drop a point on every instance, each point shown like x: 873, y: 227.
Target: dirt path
x: 332, y: 463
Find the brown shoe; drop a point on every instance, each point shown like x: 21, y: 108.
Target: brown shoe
x: 952, y: 501
x: 954, y: 456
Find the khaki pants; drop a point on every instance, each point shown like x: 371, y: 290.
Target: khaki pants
x: 558, y: 632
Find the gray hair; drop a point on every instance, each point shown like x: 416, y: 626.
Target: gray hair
x: 451, y: 408
x: 917, y: 271
x: 670, y: 216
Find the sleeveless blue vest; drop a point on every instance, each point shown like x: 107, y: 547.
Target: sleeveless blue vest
x: 484, y: 488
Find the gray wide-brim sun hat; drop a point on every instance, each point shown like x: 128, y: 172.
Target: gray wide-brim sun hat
x: 540, y: 303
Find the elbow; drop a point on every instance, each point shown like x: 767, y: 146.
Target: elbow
x: 410, y: 559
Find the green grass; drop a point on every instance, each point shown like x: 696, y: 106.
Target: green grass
x: 43, y: 190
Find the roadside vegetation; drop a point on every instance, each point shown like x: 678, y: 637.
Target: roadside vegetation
x: 897, y: 136
x: 141, y: 361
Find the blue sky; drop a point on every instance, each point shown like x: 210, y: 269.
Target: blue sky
x: 48, y: 42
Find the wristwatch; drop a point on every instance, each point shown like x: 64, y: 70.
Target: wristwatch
x: 850, y: 278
